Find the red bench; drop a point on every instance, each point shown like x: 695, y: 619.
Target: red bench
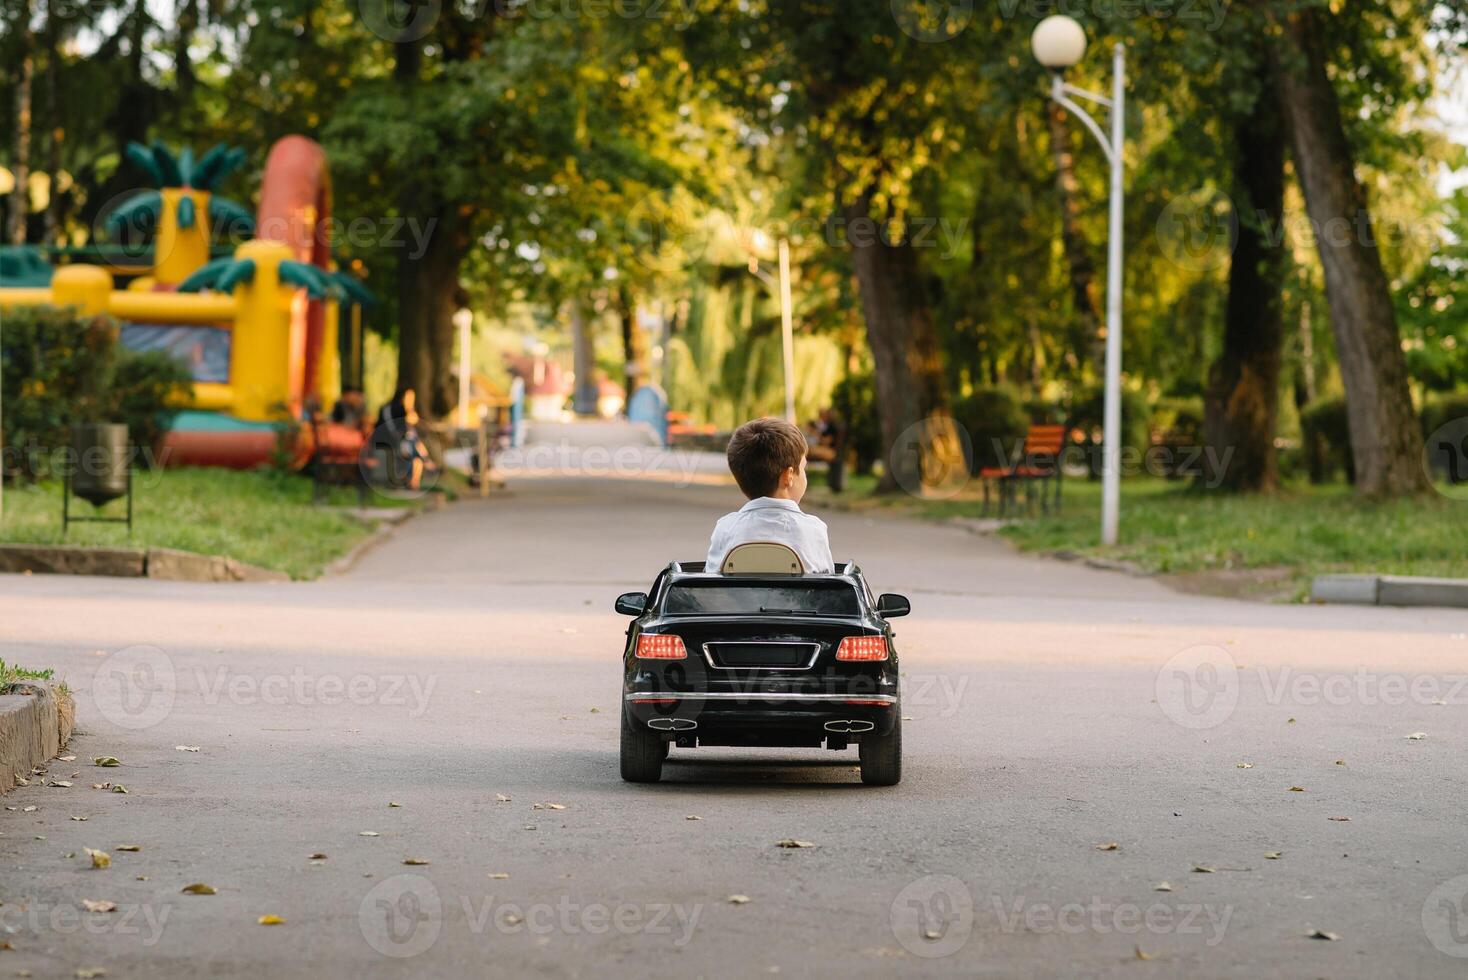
x: 1035, y: 464
x: 337, y: 459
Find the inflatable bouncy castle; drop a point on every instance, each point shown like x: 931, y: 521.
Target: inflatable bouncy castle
x: 265, y: 331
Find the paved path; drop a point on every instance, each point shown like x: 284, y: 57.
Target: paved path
x: 1052, y: 708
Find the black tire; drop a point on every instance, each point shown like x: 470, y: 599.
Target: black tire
x: 881, y: 757
x: 642, y: 754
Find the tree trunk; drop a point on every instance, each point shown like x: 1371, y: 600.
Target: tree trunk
x: 1386, y: 439
x: 428, y: 297
x: 1085, y: 299
x: 20, y: 152
x: 1243, y: 384
x: 634, y: 344
x: 909, y: 374
x: 583, y: 398
x: 54, y: 209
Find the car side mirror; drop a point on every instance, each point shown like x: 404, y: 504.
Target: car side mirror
x: 890, y: 604
x: 632, y: 603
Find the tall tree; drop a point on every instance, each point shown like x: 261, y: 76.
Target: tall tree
x: 1242, y: 401
x: 20, y: 145
x: 1085, y: 299
x: 1386, y: 439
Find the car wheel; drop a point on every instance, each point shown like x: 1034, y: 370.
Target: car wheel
x: 881, y: 757
x: 642, y: 753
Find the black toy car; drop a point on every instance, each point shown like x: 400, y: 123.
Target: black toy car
x: 760, y: 659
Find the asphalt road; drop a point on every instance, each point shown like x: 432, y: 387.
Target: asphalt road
x: 468, y: 670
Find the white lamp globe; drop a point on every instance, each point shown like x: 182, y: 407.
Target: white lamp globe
x: 1058, y: 42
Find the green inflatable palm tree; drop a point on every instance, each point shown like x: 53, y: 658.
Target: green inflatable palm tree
x: 143, y: 210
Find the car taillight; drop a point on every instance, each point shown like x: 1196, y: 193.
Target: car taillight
x: 661, y: 646
x: 862, y: 648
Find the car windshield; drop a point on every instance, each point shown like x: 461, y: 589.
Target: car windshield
x: 726, y: 596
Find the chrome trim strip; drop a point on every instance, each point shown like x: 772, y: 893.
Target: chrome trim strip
x: 814, y: 653
x: 758, y: 696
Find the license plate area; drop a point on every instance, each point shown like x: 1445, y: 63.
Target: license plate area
x: 761, y: 655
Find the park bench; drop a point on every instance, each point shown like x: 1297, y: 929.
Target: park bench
x: 337, y: 459
x: 1036, y: 463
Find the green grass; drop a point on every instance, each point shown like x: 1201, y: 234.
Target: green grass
x: 1167, y: 527
x: 12, y: 674
x: 260, y: 517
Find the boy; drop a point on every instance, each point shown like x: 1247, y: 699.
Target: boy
x: 767, y: 458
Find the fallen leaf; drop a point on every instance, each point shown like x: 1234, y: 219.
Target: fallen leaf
x: 1202, y: 869
x: 513, y: 920
x: 270, y: 920
x: 391, y: 804
x: 28, y: 809
x: 141, y: 878
x: 89, y: 972
x: 100, y: 859
x: 692, y: 817
x: 530, y: 826
x: 738, y: 899
x: 98, y: 905
x: 595, y: 711
x: 66, y: 758
x: 1297, y: 789
x: 369, y: 833
x: 1245, y: 765
x: 1416, y: 736
x: 1340, y: 819
x: 60, y: 782
x: 1290, y: 722
x: 791, y: 842
x: 106, y: 761
x: 1162, y: 886
x: 1322, y: 934
x: 499, y: 875
x: 79, y: 819
x: 199, y: 888
x: 1142, y: 955
x: 548, y: 806
x: 1109, y: 846
x: 186, y: 748
x: 501, y: 798
x: 1273, y: 855
x: 119, y: 788
x: 129, y: 847
x: 318, y: 856
x: 414, y: 861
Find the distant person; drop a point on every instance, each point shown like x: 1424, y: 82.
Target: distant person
x: 517, y: 409
x: 397, y: 434
x: 350, y: 409
x: 831, y: 434
x: 767, y: 458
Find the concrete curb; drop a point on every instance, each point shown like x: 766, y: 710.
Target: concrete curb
x: 1390, y: 590
x: 34, y: 727
x: 157, y: 563
x: 386, y: 527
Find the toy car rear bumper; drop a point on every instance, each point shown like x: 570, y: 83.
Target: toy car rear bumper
x: 747, y: 718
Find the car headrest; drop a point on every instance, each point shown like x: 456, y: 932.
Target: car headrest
x: 762, y: 558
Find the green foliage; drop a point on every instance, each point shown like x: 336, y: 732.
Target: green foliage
x: 1087, y: 415
x: 996, y: 423
x: 61, y: 369
x: 1179, y: 421
x: 1440, y: 409
x: 854, y: 397
x: 13, y: 674
x: 1326, y: 440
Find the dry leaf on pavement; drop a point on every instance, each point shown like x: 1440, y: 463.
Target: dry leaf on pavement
x: 1108, y: 846
x: 129, y: 847
x: 98, y: 905
x: 738, y: 899
x: 1322, y: 934
x: 199, y: 888
x: 1273, y: 855
x: 106, y: 761
x: 414, y: 861
x: 1162, y: 886
x: 270, y: 920
x: 791, y: 842
x: 100, y: 859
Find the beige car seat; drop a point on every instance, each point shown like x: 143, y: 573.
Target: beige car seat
x: 762, y: 558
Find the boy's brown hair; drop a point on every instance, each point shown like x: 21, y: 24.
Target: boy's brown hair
x: 759, y: 451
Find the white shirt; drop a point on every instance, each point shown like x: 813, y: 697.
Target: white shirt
x: 773, y: 519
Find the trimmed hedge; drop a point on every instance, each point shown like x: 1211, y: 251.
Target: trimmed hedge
x: 60, y: 369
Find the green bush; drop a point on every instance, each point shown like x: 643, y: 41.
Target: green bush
x: 1088, y: 412
x: 1439, y: 410
x: 996, y: 423
x: 60, y: 369
x: 1325, y: 437
x: 1178, y: 421
x: 855, y: 398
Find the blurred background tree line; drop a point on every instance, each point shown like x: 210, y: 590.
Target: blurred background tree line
x: 1296, y: 222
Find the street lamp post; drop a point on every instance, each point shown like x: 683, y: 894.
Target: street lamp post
x: 1058, y: 43
x: 787, y: 317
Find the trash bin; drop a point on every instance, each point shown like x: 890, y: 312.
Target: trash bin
x: 100, y: 461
